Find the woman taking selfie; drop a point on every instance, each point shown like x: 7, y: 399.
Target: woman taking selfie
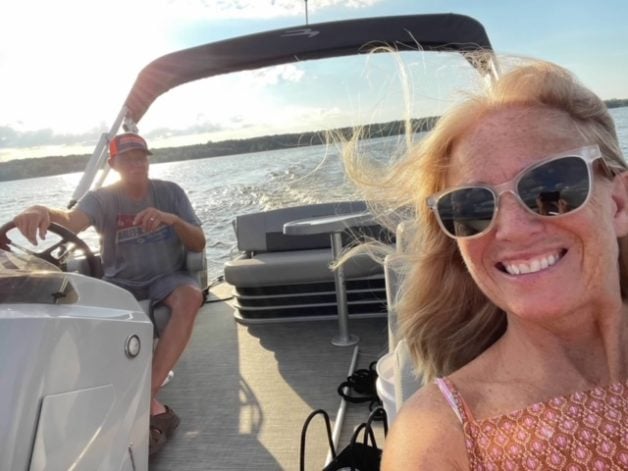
x: 515, y: 304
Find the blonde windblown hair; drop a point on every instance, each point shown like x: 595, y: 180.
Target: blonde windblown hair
x: 445, y: 318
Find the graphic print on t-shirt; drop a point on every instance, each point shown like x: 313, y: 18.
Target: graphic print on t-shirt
x: 127, y: 233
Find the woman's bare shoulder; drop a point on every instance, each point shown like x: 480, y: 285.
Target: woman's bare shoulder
x: 426, y: 434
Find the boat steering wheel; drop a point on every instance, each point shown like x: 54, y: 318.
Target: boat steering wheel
x: 58, y: 253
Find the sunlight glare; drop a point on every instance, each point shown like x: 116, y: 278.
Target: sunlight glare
x: 88, y: 70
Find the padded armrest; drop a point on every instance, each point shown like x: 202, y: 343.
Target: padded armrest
x: 196, y: 265
x: 195, y: 261
x: 77, y: 265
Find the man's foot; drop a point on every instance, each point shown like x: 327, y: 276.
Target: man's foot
x: 166, y: 422
x: 156, y: 441
x: 161, y: 428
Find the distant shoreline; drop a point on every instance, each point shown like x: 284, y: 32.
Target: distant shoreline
x: 58, y: 165
x: 616, y: 103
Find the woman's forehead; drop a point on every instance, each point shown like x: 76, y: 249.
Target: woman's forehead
x: 503, y: 142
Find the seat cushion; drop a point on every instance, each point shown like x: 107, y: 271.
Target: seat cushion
x: 297, y: 266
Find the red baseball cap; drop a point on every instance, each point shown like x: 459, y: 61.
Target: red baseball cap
x: 125, y: 142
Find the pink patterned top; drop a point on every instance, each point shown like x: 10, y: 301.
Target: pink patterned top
x: 577, y: 432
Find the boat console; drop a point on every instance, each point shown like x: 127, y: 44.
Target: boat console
x: 75, y: 356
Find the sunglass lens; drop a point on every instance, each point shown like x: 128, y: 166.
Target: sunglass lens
x: 467, y: 211
x: 557, y: 187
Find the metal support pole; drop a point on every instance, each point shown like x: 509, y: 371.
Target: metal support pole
x: 306, y: 15
x: 97, y: 160
x: 343, y: 339
x: 340, y: 416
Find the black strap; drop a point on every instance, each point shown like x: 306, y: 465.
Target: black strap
x: 304, y: 432
x: 361, y: 386
x: 362, y: 454
x: 378, y: 414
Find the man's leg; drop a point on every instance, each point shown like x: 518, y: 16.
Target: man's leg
x: 184, y: 303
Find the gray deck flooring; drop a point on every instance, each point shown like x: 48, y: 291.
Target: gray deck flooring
x: 243, y: 392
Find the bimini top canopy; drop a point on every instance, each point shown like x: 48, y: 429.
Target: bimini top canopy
x: 437, y: 32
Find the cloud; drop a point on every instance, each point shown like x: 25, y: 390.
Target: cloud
x: 199, y: 128
x: 256, y: 9
x: 57, y: 92
x: 11, y: 138
x: 276, y: 74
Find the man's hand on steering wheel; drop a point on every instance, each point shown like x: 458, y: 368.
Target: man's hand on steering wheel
x: 33, y: 221
x: 59, y: 252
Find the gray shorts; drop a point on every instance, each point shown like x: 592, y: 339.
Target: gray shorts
x: 159, y: 289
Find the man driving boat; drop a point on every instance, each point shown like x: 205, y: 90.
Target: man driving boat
x: 145, y: 226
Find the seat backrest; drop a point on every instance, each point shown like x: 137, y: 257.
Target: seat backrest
x: 196, y: 265
x: 263, y: 231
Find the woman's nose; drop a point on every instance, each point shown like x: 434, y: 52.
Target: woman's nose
x: 513, y: 220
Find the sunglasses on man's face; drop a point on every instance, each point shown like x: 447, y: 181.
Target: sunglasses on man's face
x: 132, y: 159
x: 554, y: 187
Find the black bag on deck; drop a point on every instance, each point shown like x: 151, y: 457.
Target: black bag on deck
x: 361, y: 387
x: 358, y: 455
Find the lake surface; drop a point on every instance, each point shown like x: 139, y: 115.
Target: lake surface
x: 219, y: 188
x: 222, y: 187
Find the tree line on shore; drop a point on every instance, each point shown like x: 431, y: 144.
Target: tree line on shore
x: 616, y: 103
x: 58, y: 165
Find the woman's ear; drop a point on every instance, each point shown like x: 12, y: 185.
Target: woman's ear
x: 620, y: 198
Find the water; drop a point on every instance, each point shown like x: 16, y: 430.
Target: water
x: 222, y: 187
x: 219, y: 188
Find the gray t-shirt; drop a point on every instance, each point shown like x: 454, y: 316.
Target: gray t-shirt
x: 131, y: 256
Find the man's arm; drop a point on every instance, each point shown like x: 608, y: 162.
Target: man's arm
x: 36, y: 220
x: 191, y: 235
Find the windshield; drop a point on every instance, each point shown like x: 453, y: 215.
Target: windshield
x: 28, y: 279
x: 11, y: 262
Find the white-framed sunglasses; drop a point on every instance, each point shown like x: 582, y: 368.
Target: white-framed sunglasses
x: 553, y: 187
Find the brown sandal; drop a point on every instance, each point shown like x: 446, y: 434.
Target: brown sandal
x: 156, y: 441
x: 166, y: 422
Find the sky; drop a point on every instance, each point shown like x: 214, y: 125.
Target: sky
x: 66, y: 66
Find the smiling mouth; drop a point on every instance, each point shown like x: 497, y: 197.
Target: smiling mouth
x: 534, y: 265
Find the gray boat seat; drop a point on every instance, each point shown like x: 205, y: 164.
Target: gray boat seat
x: 195, y: 265
x: 292, y: 267
x: 288, y: 277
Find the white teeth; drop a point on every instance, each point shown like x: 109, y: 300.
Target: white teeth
x: 532, y: 266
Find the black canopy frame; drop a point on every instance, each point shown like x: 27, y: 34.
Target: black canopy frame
x: 432, y: 32
x: 436, y: 32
